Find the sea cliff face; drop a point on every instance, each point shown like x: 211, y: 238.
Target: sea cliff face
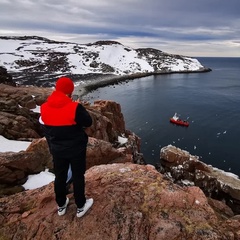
x: 187, y: 169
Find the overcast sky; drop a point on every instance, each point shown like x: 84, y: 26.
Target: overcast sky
x: 188, y: 27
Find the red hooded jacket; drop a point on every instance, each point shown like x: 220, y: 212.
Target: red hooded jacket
x: 63, y: 123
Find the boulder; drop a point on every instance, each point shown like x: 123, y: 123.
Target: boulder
x: 17, y: 120
x: 113, y: 112
x: 131, y: 202
x: 22, y: 126
x: 102, y: 152
x: 108, y: 120
x: 15, y: 167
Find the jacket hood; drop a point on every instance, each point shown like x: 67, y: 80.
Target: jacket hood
x: 58, y: 99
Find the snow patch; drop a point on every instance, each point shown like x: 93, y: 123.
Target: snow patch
x: 12, y: 145
x: 39, y: 180
x: 122, y: 140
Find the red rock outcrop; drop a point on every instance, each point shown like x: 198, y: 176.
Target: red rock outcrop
x: 214, y: 182
x: 131, y: 202
x: 14, y: 167
x: 113, y: 112
x: 102, y: 152
x: 17, y: 121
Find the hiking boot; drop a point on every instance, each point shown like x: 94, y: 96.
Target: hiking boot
x: 62, y: 210
x: 85, y: 208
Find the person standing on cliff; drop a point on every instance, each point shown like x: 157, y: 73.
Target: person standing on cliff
x: 63, y: 121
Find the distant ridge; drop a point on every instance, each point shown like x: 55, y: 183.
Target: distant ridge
x: 38, y: 60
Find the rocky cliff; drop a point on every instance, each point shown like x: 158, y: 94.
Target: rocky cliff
x: 19, y: 122
x: 187, y: 169
x: 131, y: 202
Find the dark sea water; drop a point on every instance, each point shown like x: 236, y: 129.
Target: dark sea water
x: 210, y: 101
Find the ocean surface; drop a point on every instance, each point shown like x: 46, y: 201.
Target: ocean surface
x: 209, y: 101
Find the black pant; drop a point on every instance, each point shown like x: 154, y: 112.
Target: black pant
x: 78, y: 165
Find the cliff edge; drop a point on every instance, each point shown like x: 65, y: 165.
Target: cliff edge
x: 131, y: 201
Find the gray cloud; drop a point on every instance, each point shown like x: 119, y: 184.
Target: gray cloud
x: 137, y: 23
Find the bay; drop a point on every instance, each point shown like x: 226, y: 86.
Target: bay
x: 209, y: 101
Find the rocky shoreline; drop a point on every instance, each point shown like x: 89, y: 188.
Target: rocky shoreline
x: 91, y: 82
x: 187, y: 170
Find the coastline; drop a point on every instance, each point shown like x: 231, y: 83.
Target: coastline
x: 95, y: 81
x: 103, y: 80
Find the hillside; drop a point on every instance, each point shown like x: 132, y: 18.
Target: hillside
x: 37, y: 61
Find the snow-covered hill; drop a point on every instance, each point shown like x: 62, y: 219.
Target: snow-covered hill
x: 35, y: 58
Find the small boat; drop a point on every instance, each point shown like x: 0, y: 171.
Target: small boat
x: 175, y: 119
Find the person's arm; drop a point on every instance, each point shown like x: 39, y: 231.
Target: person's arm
x: 82, y: 116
